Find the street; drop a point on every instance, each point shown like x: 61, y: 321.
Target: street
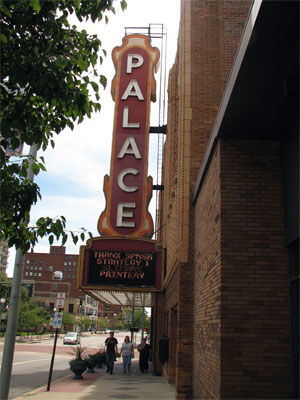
x: 32, y: 360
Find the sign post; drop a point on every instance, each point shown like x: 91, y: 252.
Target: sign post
x: 56, y: 324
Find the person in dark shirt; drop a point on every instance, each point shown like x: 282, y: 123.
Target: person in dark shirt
x: 144, y: 350
x: 111, y: 344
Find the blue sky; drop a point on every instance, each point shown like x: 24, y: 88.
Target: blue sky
x: 72, y: 185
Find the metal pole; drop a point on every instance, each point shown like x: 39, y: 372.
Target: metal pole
x: 132, y: 322
x: 143, y: 319
x: 12, y: 319
x: 52, y: 361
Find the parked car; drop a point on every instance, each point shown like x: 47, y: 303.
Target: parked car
x: 71, y: 338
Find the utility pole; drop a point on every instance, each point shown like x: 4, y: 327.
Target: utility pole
x: 12, y: 319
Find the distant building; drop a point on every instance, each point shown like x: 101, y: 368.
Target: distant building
x: 4, y: 253
x: 47, y: 274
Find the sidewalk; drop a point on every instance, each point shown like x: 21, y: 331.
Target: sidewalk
x: 102, y: 386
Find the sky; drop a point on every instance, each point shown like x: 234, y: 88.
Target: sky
x: 73, y: 183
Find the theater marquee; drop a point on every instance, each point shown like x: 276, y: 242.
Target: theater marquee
x: 125, y: 257
x: 121, y: 263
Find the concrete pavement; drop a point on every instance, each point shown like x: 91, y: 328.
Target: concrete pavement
x: 102, y: 386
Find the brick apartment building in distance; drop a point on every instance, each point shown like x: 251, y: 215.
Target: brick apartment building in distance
x: 229, y: 215
x: 38, y: 276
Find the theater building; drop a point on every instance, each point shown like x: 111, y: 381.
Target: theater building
x: 229, y: 211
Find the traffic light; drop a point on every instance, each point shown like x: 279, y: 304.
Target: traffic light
x: 107, y: 308
x: 145, y: 330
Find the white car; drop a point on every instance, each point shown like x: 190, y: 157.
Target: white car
x: 72, y: 338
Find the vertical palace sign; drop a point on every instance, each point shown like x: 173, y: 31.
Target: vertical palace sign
x: 128, y: 190
x: 125, y: 256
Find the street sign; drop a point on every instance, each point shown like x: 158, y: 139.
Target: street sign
x: 60, y: 300
x: 57, y: 320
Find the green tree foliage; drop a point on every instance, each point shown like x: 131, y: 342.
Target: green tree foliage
x: 68, y: 321
x: 102, y: 323
x: 138, y: 313
x: 85, y: 322
x: 31, y: 316
x: 49, y: 81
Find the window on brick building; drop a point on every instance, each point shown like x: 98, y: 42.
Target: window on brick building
x: 54, y: 286
x: 26, y: 273
x: 51, y: 306
x: 71, y: 308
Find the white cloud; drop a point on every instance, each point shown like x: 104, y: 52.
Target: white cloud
x: 72, y: 185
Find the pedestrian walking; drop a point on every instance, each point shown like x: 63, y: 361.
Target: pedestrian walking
x: 144, y: 350
x: 111, y: 344
x: 127, y: 352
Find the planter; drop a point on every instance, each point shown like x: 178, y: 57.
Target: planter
x: 91, y: 363
x: 101, y: 360
x: 78, y: 367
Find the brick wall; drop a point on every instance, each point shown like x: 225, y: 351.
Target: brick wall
x: 256, y: 353
x: 39, y: 268
x: 207, y: 286
x: 208, y: 40
x: 215, y: 32
x: 241, y: 305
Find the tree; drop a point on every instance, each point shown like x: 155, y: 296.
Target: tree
x: 138, y: 313
x: 31, y: 316
x: 68, y: 320
x: 85, y: 322
x: 49, y: 81
x: 101, y: 323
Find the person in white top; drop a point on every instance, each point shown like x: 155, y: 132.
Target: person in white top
x: 127, y: 353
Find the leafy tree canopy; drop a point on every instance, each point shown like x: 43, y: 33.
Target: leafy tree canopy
x: 31, y: 316
x: 49, y: 81
x: 68, y: 319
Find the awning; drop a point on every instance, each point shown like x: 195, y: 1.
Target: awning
x: 122, y: 298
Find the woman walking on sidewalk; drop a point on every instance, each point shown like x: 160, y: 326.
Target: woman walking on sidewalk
x: 127, y: 353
